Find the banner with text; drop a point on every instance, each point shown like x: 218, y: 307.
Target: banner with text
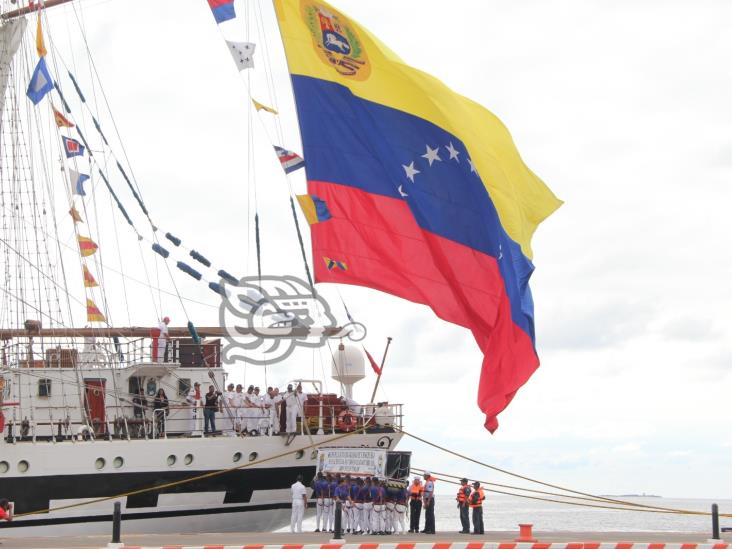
x: 352, y: 461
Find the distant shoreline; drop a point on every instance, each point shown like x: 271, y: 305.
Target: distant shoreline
x: 630, y: 496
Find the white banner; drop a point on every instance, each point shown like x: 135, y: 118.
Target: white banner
x: 352, y: 461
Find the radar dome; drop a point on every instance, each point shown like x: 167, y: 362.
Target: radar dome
x: 348, y: 366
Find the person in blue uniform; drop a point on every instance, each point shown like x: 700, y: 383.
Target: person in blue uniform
x: 400, y: 510
x: 357, y: 498
x: 335, y: 481
x: 368, y: 505
x: 379, y: 516
x: 428, y: 502
x: 319, y: 488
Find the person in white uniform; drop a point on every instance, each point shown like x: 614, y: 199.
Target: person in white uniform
x: 163, y: 340
x: 229, y: 410
x: 237, y: 404
x: 193, y: 399
x: 292, y: 404
x: 301, y: 398
x: 299, y: 502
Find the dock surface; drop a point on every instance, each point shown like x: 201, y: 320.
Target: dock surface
x: 312, y: 538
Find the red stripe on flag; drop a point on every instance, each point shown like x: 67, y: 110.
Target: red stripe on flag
x: 217, y: 3
x: 384, y: 248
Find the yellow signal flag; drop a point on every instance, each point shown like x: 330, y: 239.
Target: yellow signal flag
x: 89, y: 281
x: 93, y: 314
x: 40, y: 46
x: 87, y: 246
x: 75, y: 215
x: 261, y: 107
x: 61, y: 120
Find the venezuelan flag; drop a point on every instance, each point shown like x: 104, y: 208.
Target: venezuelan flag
x: 429, y: 198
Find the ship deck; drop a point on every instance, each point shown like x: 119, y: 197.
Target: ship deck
x: 311, y: 538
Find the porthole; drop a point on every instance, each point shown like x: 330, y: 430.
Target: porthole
x: 188, y: 459
x: 236, y: 457
x: 314, y: 454
x: 100, y: 463
x: 299, y: 454
x: 171, y: 460
x: 4, y: 466
x: 253, y: 456
x: 23, y: 466
x: 118, y: 462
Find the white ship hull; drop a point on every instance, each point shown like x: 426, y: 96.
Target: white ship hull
x: 252, y: 498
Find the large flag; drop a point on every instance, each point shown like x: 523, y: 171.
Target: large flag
x: 289, y: 160
x: 430, y: 200
x: 93, y: 314
x: 40, y: 83
x: 77, y: 182
x: 243, y: 54
x: 72, y: 147
x: 87, y: 246
x: 223, y: 10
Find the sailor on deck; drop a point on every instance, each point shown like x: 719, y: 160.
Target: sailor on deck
x: 163, y: 340
x: 319, y: 489
x: 292, y: 404
x: 229, y: 409
x: 193, y: 400
x: 299, y: 502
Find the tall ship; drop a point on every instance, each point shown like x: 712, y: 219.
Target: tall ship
x: 94, y: 413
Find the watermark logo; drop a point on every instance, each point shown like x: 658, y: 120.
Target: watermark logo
x: 266, y: 318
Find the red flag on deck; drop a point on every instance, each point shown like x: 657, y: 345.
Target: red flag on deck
x: 374, y: 366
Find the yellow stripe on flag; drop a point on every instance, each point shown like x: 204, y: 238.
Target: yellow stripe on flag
x: 93, y: 314
x: 262, y: 107
x: 87, y: 246
x: 89, y: 281
x: 308, y: 208
x: 40, y: 46
x: 374, y: 73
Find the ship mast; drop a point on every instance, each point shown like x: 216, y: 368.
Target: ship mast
x: 30, y: 8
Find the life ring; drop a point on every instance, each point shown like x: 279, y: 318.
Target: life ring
x: 2, y: 422
x: 85, y: 433
x: 346, y: 421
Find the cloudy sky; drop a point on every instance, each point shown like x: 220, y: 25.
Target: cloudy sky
x: 621, y: 107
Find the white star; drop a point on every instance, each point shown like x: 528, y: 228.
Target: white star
x: 431, y: 155
x: 411, y: 171
x: 500, y: 252
x: 401, y: 191
x: 472, y: 166
x: 453, y: 152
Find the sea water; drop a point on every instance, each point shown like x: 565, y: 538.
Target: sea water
x: 505, y: 513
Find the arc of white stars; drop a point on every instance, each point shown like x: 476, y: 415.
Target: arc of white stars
x: 472, y: 166
x: 431, y: 155
x: 453, y: 152
x: 401, y: 191
x: 410, y: 171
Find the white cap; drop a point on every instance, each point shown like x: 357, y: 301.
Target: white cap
x: 428, y: 473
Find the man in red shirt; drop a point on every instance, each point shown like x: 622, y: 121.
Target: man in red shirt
x: 6, y: 510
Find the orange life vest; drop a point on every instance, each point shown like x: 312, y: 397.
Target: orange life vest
x: 461, y: 497
x: 415, y: 491
x: 481, y: 497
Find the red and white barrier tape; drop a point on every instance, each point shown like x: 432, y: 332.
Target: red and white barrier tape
x: 463, y: 545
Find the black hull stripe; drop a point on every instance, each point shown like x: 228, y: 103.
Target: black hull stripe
x: 151, y: 515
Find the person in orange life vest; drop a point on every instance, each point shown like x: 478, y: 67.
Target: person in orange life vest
x: 428, y: 502
x: 415, y: 504
x: 462, y: 497
x: 476, y: 504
